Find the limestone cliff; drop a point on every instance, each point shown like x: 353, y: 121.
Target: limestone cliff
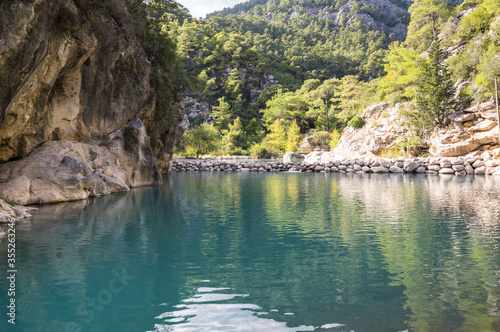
x: 472, y: 132
x: 74, y: 79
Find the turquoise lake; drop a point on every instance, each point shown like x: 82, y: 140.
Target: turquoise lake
x: 265, y: 252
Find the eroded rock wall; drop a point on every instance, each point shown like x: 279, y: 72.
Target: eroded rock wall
x: 70, y: 71
x: 74, y: 77
x: 66, y: 170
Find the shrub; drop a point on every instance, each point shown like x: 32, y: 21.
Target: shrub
x: 389, y: 153
x: 356, y: 122
x: 321, y: 138
x: 258, y: 151
x: 10, y: 201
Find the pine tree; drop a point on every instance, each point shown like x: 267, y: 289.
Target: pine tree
x: 434, y: 99
x: 222, y: 114
x: 436, y: 90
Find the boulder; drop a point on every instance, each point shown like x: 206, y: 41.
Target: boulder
x: 381, y: 130
x: 313, y: 157
x: 458, y: 168
x: 76, y: 71
x: 65, y: 170
x: 446, y: 171
x: 16, y: 212
x: 478, y: 163
x: 379, y: 169
x: 469, y: 169
x: 434, y: 168
x: 457, y: 140
x: 483, y: 126
x: 327, y: 157
x: 410, y: 166
x: 395, y: 169
x: 462, y: 117
x: 421, y: 169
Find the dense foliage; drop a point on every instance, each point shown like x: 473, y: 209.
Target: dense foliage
x: 320, y: 73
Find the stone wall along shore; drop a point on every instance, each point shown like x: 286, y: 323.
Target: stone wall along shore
x: 434, y: 166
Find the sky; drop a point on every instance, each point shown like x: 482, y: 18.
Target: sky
x: 200, y: 8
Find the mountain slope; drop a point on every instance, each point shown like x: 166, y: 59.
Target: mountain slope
x: 247, y: 53
x: 387, y: 15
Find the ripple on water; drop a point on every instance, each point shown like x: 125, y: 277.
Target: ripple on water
x: 209, y: 311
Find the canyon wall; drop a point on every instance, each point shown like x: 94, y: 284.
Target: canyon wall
x: 74, y: 98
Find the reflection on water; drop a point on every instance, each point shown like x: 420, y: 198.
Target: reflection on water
x: 207, y: 312
x: 266, y: 252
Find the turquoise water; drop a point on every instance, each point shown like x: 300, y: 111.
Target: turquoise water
x: 265, y: 252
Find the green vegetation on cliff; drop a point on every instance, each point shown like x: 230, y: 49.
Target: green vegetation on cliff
x: 318, y: 63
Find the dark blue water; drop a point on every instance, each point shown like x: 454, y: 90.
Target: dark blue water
x: 265, y: 252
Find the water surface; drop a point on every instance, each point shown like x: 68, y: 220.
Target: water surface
x: 266, y: 252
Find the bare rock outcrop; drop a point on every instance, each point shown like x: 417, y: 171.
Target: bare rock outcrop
x: 13, y: 212
x: 381, y: 130
x: 67, y: 170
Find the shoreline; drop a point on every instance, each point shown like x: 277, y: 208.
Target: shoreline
x: 458, y: 166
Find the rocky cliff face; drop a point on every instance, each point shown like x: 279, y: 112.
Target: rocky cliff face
x: 472, y: 132
x: 381, y: 130
x: 74, y: 70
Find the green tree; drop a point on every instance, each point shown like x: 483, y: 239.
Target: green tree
x: 167, y: 76
x: 434, y: 98
x: 222, y: 114
x: 293, y: 137
x: 427, y: 18
x: 326, y: 93
x: 276, y: 140
x: 403, y: 74
x: 232, y: 139
x: 201, y: 140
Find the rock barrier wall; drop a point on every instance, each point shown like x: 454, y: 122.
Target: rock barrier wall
x: 432, y: 166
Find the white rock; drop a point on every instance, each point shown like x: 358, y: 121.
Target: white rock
x: 435, y: 168
x: 446, y: 171
x: 395, y: 169
x: 478, y: 163
x: 379, y: 169
x: 410, y: 166
x: 483, y: 126
x: 462, y: 117
x: 313, y: 157
x: 480, y: 170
